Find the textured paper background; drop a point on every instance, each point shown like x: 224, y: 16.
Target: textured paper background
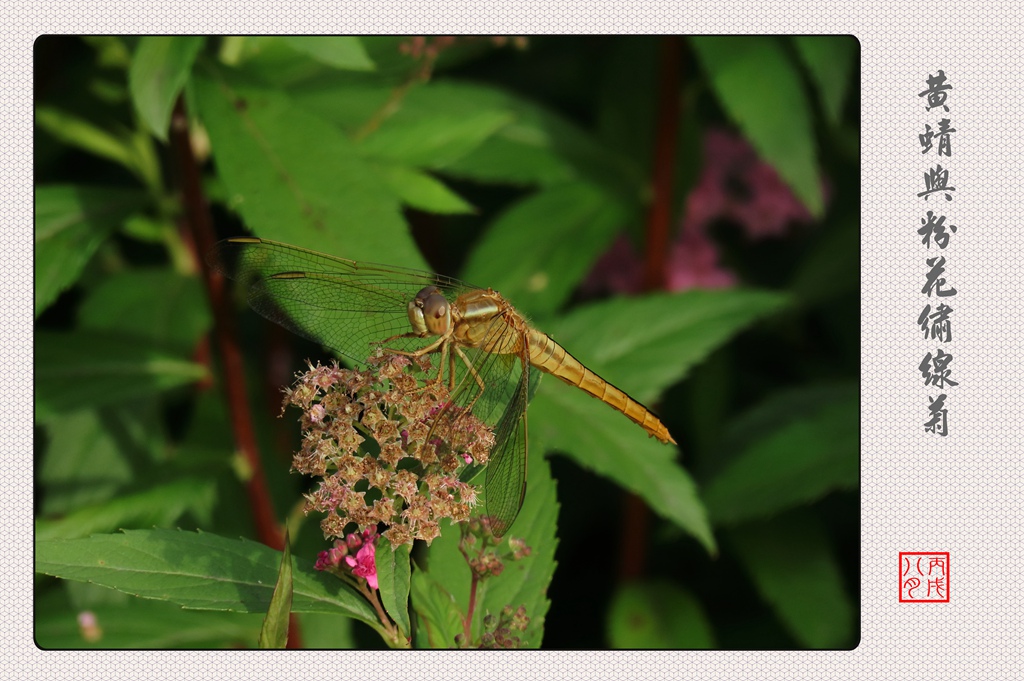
x: 960, y: 494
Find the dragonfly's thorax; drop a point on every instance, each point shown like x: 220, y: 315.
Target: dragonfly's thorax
x: 429, y: 313
x: 483, y: 319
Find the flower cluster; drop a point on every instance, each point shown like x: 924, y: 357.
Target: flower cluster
x: 387, y: 450
x: 476, y: 545
x: 498, y: 631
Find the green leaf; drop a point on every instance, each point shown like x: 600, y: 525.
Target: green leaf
x: 782, y: 407
x: 657, y: 615
x: 541, y: 147
x: 160, y: 67
x: 567, y: 420
x: 111, y: 51
x: 476, y: 131
x: 828, y: 271
x: 295, y: 178
x: 393, y: 571
x: 523, y: 582
x: 431, y: 141
x: 195, y: 570
x: 83, y: 369
x: 439, y: 620
x: 830, y: 60
x: 795, y: 570
x: 430, y: 125
x: 538, y: 250
x: 85, y: 459
x: 518, y: 154
x: 71, y: 223
x: 760, y: 89
x: 420, y: 190
x: 156, y: 304
x: 798, y: 462
x: 161, y: 505
x: 322, y: 631
x: 341, y: 52
x: 645, y: 344
x: 139, y: 624
x: 274, y: 633
x: 80, y: 133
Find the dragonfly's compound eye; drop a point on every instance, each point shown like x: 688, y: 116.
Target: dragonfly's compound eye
x: 429, y: 312
x: 436, y: 313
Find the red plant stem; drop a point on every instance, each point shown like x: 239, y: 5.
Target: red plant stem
x: 468, y: 622
x: 200, y: 224
x: 636, y: 514
x: 659, y: 220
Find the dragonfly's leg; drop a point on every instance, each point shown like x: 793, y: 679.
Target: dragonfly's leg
x: 451, y: 372
x: 408, y: 334
x: 476, y: 377
x: 411, y: 353
x: 441, y: 343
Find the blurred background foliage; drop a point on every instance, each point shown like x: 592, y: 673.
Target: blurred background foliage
x: 520, y: 164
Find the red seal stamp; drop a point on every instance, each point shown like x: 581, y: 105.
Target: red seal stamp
x: 924, y: 576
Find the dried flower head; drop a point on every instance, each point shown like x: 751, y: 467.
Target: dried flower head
x: 387, y: 450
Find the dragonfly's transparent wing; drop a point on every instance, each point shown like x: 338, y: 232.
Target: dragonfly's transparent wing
x: 501, y: 404
x: 342, y: 304
x: 505, y: 485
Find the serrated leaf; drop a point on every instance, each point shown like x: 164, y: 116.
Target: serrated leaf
x: 830, y: 60
x: 645, y: 344
x: 85, y: 369
x: 156, y: 304
x: 537, y: 251
x: 341, y: 52
x: 760, y: 89
x: 657, y: 615
x: 274, y: 633
x: 159, y: 69
x: 522, y: 582
x: 421, y: 190
x: 296, y: 178
x: 393, y: 570
x: 195, y: 570
x: 797, y: 463
x: 71, y: 223
x: 567, y: 420
x: 161, y: 506
x: 438, y: 618
x: 795, y: 570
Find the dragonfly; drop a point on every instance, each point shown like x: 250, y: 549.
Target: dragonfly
x: 490, y: 348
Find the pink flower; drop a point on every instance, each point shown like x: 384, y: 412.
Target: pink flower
x: 734, y: 185
x: 330, y: 558
x: 364, y: 564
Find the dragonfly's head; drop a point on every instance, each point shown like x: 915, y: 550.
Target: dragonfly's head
x: 429, y: 312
